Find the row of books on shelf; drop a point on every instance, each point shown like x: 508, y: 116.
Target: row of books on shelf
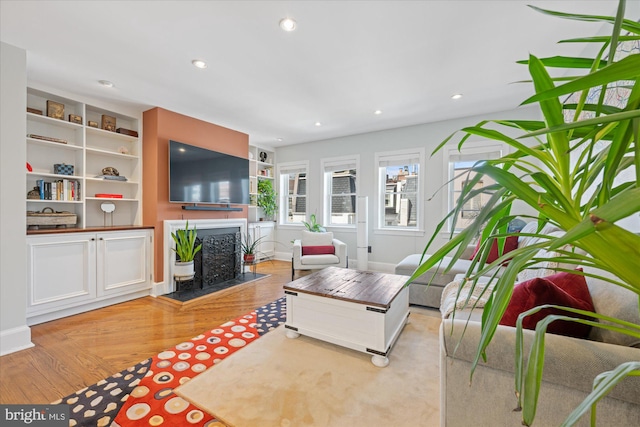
x: 61, y: 189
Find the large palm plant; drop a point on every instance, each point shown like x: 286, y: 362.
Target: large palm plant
x: 581, y: 196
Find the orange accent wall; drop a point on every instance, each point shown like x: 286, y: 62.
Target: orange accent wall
x: 159, y: 126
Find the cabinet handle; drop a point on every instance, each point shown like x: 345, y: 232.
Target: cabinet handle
x: 93, y: 239
x: 101, y: 238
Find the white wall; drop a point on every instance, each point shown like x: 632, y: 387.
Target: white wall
x: 14, y: 332
x: 387, y: 249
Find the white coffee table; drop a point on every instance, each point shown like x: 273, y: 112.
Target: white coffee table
x: 361, y: 310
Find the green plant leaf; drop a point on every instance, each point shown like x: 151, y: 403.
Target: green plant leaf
x: 626, y: 69
x: 564, y: 62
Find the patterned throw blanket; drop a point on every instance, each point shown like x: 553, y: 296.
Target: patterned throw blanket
x: 458, y: 296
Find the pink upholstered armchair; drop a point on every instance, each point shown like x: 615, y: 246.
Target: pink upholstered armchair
x: 318, y: 250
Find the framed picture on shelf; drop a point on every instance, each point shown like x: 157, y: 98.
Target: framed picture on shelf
x: 55, y: 110
x: 108, y: 123
x: 75, y: 119
x: 92, y: 124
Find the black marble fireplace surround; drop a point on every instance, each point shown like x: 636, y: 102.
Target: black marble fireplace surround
x: 217, y: 266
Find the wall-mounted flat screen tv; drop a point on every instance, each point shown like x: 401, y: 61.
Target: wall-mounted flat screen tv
x: 199, y: 175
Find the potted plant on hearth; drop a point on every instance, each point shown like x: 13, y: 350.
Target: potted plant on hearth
x: 249, y: 247
x: 186, y: 250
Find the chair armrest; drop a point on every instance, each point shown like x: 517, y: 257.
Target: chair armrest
x: 341, y: 249
x: 297, y: 251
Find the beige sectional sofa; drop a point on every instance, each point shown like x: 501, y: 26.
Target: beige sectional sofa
x: 436, y: 278
x: 571, y: 364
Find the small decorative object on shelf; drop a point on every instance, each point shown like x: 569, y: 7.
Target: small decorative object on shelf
x: 34, y: 194
x: 63, y: 169
x: 109, y: 196
x: 46, y: 138
x: 75, y: 119
x: 34, y: 111
x: 108, y: 123
x: 123, y: 150
x: 127, y: 132
x: 110, y: 171
x: 49, y: 217
x: 92, y: 124
x: 29, y: 168
x: 107, y: 208
x: 55, y: 110
x: 263, y: 156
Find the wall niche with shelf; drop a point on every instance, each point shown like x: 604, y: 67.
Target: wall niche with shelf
x: 261, y: 166
x: 76, y: 138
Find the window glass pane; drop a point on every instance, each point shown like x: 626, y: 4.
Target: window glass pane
x: 471, y: 208
x: 342, y: 197
x: 297, y: 184
x: 296, y: 200
x: 400, y: 207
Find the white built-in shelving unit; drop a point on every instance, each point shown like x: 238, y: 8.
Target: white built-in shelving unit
x: 261, y: 166
x: 89, y: 150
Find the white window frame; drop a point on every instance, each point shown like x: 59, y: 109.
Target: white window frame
x: 328, y: 166
x: 471, y: 151
x: 382, y: 158
x: 283, y: 194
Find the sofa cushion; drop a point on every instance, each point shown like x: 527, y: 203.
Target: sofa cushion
x: 546, y: 265
x: 613, y: 301
x: 510, y: 244
x: 318, y: 250
x: 407, y: 266
x: 316, y: 239
x: 564, y: 289
x: 319, y: 259
x: 532, y: 227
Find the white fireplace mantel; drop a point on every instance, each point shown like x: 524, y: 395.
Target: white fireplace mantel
x: 170, y: 226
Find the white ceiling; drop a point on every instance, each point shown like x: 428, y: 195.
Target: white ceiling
x: 345, y: 60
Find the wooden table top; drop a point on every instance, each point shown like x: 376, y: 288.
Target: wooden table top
x: 363, y: 287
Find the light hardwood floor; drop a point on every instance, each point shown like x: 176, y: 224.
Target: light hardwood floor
x: 78, y: 351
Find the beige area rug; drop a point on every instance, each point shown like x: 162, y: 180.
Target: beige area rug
x: 278, y: 381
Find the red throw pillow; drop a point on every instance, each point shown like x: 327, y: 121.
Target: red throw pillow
x: 510, y: 244
x: 318, y: 250
x: 565, y: 289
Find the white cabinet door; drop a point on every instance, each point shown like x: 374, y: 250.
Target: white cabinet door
x: 123, y: 262
x: 61, y: 271
x: 267, y: 246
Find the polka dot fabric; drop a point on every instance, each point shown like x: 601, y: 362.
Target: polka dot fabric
x: 99, y: 404
x: 153, y: 403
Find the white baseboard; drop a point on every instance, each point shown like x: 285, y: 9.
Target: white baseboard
x: 160, y: 288
x: 15, y: 339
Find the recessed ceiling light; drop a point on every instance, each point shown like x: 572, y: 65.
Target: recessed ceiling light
x: 288, y: 24
x: 106, y: 83
x: 279, y: 139
x: 199, y: 63
x: 456, y: 96
x: 377, y: 112
x: 318, y: 124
